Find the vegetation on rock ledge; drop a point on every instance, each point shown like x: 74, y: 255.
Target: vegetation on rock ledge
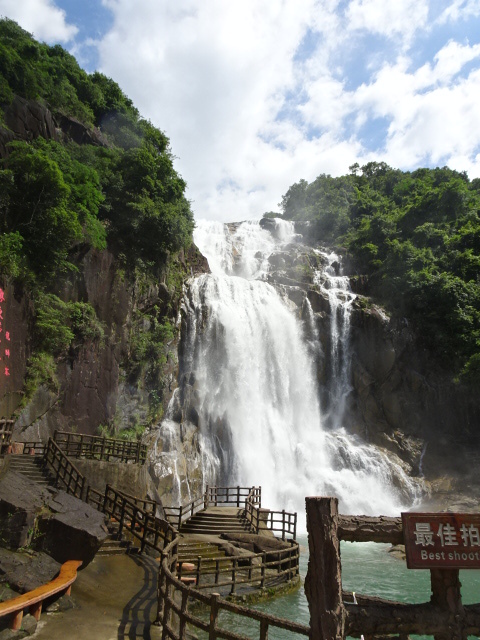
x: 417, y: 236
x: 58, y: 199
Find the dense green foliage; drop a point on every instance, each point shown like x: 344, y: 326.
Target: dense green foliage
x: 54, y: 197
x: 59, y: 199
x: 417, y: 235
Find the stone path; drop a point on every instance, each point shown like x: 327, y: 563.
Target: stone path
x: 116, y: 600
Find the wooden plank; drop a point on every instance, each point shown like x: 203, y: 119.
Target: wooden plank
x: 370, y: 529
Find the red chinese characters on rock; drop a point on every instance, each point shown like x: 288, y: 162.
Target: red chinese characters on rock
x: 442, y: 540
x: 4, y: 340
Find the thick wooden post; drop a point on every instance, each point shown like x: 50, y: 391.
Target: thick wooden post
x: 182, y: 634
x: 323, y: 584
x: 212, y: 635
x: 263, y: 567
x: 264, y: 630
x: 446, y: 594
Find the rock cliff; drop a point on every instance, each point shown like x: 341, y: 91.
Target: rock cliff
x: 94, y: 383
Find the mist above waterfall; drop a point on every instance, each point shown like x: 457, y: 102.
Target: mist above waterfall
x: 251, y: 364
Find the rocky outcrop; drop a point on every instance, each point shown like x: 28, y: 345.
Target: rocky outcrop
x: 20, y: 503
x: 48, y: 520
x: 93, y: 386
x: 28, y: 119
x: 28, y: 570
x: 401, y: 400
x: 73, y: 529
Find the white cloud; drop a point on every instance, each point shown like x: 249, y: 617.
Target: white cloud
x: 433, y: 114
x: 460, y: 10
x: 40, y: 17
x: 394, y: 18
x: 213, y: 75
x: 452, y: 58
x: 256, y: 95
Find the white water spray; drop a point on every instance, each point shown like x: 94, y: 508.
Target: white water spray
x: 257, y: 395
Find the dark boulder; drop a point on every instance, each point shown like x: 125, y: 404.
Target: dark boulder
x: 73, y: 530
x: 20, y: 503
x: 48, y: 519
x: 28, y: 570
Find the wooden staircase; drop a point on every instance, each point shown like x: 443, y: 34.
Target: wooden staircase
x: 217, y: 520
x: 115, y: 544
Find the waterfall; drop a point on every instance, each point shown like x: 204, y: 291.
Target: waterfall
x: 249, y: 363
x: 336, y: 286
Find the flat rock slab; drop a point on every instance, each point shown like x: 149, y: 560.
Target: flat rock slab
x: 26, y: 571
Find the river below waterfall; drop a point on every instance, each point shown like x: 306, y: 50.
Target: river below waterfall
x: 367, y: 568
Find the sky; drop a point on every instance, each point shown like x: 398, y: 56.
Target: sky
x: 256, y: 95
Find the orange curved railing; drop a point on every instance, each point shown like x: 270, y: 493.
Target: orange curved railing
x: 34, y: 599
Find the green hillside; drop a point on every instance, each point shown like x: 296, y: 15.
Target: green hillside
x: 55, y: 196
x: 417, y: 237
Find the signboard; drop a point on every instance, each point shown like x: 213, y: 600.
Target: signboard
x: 442, y: 540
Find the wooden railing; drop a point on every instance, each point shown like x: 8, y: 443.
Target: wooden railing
x: 231, y: 495
x: 177, y: 515
x: 279, y: 522
x: 174, y: 599
x: 337, y: 614
x: 254, y: 569
x: 142, y: 525
x: 33, y: 600
x: 136, y: 515
x: 64, y: 471
x: 213, y: 496
x: 6, y: 428
x: 79, y: 445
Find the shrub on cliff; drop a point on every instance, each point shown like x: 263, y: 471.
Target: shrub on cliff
x: 128, y: 195
x: 417, y: 235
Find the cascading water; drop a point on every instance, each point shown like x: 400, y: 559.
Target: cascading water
x: 336, y: 286
x: 254, y: 388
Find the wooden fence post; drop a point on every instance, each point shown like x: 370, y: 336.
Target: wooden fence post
x: 182, y: 634
x: 446, y: 594
x: 213, y: 616
x: 205, y: 499
x: 262, y: 570
x: 323, y: 583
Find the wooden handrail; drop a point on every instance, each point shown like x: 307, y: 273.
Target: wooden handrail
x: 34, y: 599
x: 242, y: 570
x: 174, y: 597
x: 216, y: 496
x: 73, y: 480
x: 101, y: 448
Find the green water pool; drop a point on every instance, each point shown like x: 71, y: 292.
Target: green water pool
x: 369, y: 569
